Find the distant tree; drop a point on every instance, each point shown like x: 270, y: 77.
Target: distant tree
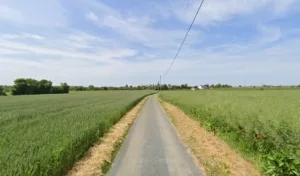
x: 2, y: 92
x: 45, y: 86
x: 184, y: 86
x: 81, y: 88
x: 20, y: 86
x: 65, y: 87
x: 240, y: 86
x: 91, y: 87
x: 218, y: 86
x: 206, y: 86
x: 31, y: 86
x: 164, y: 87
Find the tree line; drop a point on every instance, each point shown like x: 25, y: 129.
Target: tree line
x: 28, y: 86
x: 126, y: 87
x: 31, y: 86
x: 149, y: 87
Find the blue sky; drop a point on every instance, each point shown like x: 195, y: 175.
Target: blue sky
x: 115, y: 42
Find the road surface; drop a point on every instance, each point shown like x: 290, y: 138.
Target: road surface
x: 153, y: 148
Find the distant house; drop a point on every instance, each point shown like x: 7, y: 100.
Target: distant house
x: 200, y: 87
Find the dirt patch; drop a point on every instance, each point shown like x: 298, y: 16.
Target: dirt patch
x: 211, y: 153
x: 102, y: 152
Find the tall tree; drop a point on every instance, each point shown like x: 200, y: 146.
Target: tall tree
x: 45, y: 86
x: 65, y: 87
x: 19, y: 87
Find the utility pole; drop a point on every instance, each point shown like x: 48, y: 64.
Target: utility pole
x: 159, y: 83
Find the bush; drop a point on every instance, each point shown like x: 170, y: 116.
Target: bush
x: 282, y: 163
x: 2, y: 92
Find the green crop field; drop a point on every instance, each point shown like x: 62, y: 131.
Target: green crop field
x: 46, y: 134
x: 263, y: 125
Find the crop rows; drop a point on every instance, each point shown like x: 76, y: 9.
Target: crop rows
x: 46, y: 134
x: 263, y: 125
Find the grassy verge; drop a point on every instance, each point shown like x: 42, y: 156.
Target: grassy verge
x: 105, y: 167
x: 262, y: 125
x: 211, y: 153
x: 98, y: 159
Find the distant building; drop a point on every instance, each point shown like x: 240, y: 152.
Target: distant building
x: 203, y: 87
x: 193, y: 88
x: 200, y: 87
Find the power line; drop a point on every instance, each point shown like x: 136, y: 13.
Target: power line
x: 185, y: 37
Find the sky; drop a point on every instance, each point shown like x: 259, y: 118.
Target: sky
x: 117, y: 42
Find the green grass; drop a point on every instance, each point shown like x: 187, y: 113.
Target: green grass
x: 263, y: 125
x: 46, y: 134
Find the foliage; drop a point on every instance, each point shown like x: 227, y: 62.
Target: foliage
x: 2, y: 92
x: 126, y: 87
x: 31, y: 86
x: 282, y: 163
x: 6, y: 88
x: 45, y: 135
x: 220, y: 86
x: 258, y: 123
x: 91, y: 87
x: 65, y: 87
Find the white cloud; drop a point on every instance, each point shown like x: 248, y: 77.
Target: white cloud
x: 91, y: 16
x: 138, y: 29
x: 33, y: 12
x: 9, y: 14
x: 66, y: 49
x: 22, y: 35
x: 215, y: 11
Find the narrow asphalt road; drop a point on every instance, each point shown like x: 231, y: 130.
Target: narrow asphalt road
x: 153, y: 148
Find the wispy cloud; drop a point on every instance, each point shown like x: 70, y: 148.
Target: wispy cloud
x: 32, y: 12
x: 216, y: 11
x: 91, y: 16
x: 109, y: 43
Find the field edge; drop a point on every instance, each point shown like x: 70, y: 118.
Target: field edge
x: 208, y: 149
x: 99, y: 157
